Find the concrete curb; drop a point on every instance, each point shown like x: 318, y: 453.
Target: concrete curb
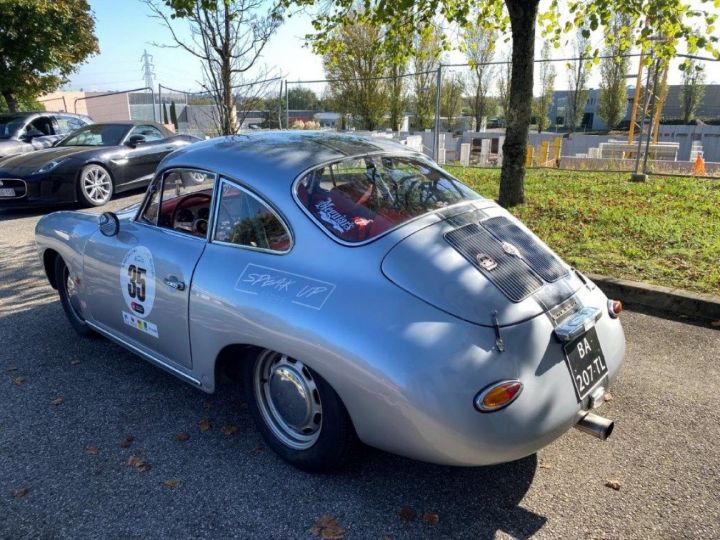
x: 675, y: 301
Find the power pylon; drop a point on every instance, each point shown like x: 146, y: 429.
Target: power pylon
x: 148, y: 69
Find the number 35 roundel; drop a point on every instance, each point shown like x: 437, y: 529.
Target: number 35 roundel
x: 137, y: 281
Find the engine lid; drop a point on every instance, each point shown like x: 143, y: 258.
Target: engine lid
x: 480, y: 265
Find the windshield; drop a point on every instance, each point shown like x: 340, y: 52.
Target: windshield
x: 10, y: 125
x: 97, y: 135
x: 360, y: 198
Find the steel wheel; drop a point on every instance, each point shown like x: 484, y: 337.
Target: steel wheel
x: 72, y: 294
x: 288, y: 399
x: 96, y: 185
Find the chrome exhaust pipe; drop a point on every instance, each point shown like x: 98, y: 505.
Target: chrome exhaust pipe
x: 595, y: 425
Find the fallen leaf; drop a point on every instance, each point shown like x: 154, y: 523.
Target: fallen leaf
x: 74, y: 362
x: 139, y: 463
x: 327, y: 528
x: 182, y: 437
x: 614, y: 484
x: 228, y: 430
x: 407, y: 514
x: 205, y: 425
x: 92, y: 450
x: 257, y: 450
x: 172, y: 484
x: 207, y: 404
x: 431, y: 517
x: 57, y: 401
x: 608, y: 396
x: 20, y: 381
x: 20, y: 493
x: 127, y: 442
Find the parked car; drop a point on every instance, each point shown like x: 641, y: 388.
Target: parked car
x: 361, y: 291
x: 29, y: 131
x: 89, y: 165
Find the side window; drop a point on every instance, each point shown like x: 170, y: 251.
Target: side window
x: 244, y: 220
x: 68, y: 124
x: 151, y: 133
x: 181, y: 200
x: 40, y: 127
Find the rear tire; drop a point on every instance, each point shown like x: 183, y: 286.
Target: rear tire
x: 95, y: 185
x: 298, y: 413
x: 68, y: 298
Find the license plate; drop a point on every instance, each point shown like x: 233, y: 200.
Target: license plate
x: 7, y: 192
x: 586, y: 362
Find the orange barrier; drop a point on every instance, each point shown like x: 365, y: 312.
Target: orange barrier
x: 699, y: 169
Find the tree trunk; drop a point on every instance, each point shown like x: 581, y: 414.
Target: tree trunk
x: 11, y: 101
x: 523, y: 15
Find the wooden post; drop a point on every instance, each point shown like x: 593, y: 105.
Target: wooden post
x: 636, y: 98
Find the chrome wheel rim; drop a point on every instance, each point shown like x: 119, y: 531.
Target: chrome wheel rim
x: 96, y: 184
x: 72, y: 295
x: 288, y: 399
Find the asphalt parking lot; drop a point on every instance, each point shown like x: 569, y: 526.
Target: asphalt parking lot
x: 94, y: 442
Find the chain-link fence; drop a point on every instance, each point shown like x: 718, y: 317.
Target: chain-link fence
x: 456, y: 113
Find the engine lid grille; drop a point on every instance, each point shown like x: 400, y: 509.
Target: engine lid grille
x: 544, y: 263
x: 509, y: 273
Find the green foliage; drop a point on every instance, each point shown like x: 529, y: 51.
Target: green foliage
x: 353, y: 60
x: 24, y: 104
x: 478, y: 45
x: 42, y: 43
x: 173, y: 114
x: 693, y: 89
x: 426, y: 50
x: 578, y: 75
x: 546, y: 76
x: 303, y: 99
x: 612, y: 100
x: 600, y: 222
x: 451, y: 93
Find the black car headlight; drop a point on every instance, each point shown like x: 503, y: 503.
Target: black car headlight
x: 49, y: 166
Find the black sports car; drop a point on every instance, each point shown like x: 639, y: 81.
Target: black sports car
x: 29, y: 131
x: 89, y: 165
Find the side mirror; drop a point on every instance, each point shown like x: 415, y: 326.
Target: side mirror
x: 109, y: 224
x: 134, y: 140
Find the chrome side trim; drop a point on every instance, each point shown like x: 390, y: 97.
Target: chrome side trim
x: 146, y: 356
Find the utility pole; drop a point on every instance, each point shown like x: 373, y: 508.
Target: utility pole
x: 148, y: 69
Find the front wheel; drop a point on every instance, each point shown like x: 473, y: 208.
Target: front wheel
x: 95, y: 186
x: 298, y: 413
x: 67, y: 289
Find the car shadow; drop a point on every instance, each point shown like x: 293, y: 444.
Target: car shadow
x: 110, y: 393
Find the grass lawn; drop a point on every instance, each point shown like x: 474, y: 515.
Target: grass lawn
x: 665, y: 231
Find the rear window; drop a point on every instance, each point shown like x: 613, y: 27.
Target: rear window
x: 359, y: 199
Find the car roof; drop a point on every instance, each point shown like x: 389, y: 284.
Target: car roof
x: 264, y: 157
x: 28, y: 114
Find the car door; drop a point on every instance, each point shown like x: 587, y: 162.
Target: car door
x: 138, y: 281
x: 144, y: 157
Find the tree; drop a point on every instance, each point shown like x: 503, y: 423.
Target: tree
x: 671, y: 18
x: 503, y: 86
x: 612, y: 101
x: 693, y: 89
x: 426, y: 50
x: 173, y: 114
x: 546, y: 73
x: 451, y: 96
x: 397, y: 90
x: 302, y: 99
x: 354, y: 61
x: 578, y: 74
x: 41, y: 44
x: 478, y: 44
x: 228, y: 36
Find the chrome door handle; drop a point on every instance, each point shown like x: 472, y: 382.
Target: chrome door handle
x: 174, y: 283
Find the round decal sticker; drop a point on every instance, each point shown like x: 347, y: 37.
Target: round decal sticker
x: 137, y: 280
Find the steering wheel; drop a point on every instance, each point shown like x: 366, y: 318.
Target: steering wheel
x: 203, y: 197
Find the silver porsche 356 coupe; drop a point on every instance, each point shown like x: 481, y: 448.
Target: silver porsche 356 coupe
x: 361, y: 291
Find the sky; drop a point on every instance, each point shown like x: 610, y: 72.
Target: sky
x: 125, y: 30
